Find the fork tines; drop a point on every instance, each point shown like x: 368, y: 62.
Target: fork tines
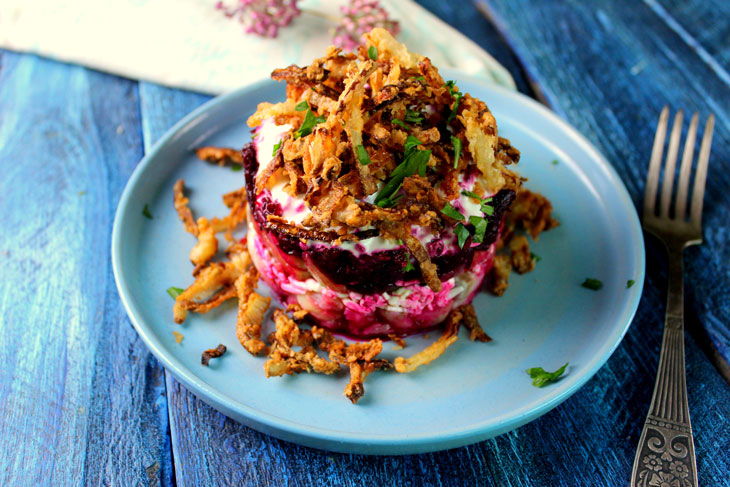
x: 655, y: 165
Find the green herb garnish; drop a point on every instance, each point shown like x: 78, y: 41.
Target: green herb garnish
x: 487, y: 209
x: 630, y: 283
x: 452, y: 212
x: 146, y: 212
x: 373, y: 53
x: 236, y: 167
x: 276, y: 148
x: 411, y: 143
x: 301, y: 106
x: 400, y: 123
x: 456, y: 143
x: 471, y: 194
x: 419, y: 78
x: 413, y: 116
x: 480, y: 228
x: 174, y: 292
x: 592, y: 284
x: 457, y: 95
x: 541, y: 378
x: 362, y: 155
x: 555, y: 162
x: 310, y: 121
x: 535, y: 257
x: 409, y: 266
x: 414, y: 161
x: 462, y: 233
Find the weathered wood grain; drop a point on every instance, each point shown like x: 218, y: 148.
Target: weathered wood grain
x: 82, y: 401
x: 609, y: 68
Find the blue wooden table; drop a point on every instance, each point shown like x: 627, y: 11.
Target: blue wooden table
x: 82, y: 401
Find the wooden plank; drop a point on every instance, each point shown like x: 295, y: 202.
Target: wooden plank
x: 464, y: 17
x: 705, y: 23
x: 609, y: 71
x: 81, y: 398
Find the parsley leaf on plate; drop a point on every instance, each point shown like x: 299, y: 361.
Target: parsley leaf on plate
x: 541, y: 378
x: 174, y: 292
x: 592, y: 284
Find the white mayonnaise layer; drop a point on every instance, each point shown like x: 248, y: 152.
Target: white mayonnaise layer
x: 267, y: 135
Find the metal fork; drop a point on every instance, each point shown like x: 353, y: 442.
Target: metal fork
x: 666, y: 454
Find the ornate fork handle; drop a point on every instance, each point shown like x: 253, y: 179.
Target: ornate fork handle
x: 666, y: 454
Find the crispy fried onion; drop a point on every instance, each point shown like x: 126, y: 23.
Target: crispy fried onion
x: 533, y: 212
x: 251, y: 312
x: 216, y: 352
x: 205, y: 230
x: 213, y: 285
x: 436, y: 349
x: 284, y: 360
x: 416, y: 248
x: 369, y: 109
x: 358, y: 357
x: 219, y: 155
x: 183, y: 210
x: 470, y: 321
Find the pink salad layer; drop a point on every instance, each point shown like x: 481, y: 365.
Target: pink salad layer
x: 410, y: 308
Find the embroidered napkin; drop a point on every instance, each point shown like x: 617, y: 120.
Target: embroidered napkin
x: 189, y: 44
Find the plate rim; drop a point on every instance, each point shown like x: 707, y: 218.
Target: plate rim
x: 350, y: 442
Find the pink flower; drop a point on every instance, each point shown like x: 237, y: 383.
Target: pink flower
x: 262, y: 17
x: 360, y: 17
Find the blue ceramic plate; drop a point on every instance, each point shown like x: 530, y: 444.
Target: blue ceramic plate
x: 476, y: 390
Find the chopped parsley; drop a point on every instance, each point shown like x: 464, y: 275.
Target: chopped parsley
x: 456, y: 142
x: 389, y: 202
x: 480, y: 228
x: 419, y: 78
x: 452, y: 212
x: 555, y: 162
x: 301, y: 106
x: 174, y: 292
x: 236, y: 167
x: 457, y: 95
x: 535, y: 257
x: 630, y: 283
x: 486, y: 208
x: 276, y: 148
x: 411, y: 143
x: 310, y: 121
x: 373, y: 53
x: 413, y: 116
x: 400, y: 123
x: 146, y: 212
x: 541, y: 378
x: 409, y: 266
x: 462, y: 233
x: 362, y: 155
x: 592, y: 284
x: 414, y: 161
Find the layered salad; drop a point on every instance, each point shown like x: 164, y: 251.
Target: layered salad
x: 376, y: 190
